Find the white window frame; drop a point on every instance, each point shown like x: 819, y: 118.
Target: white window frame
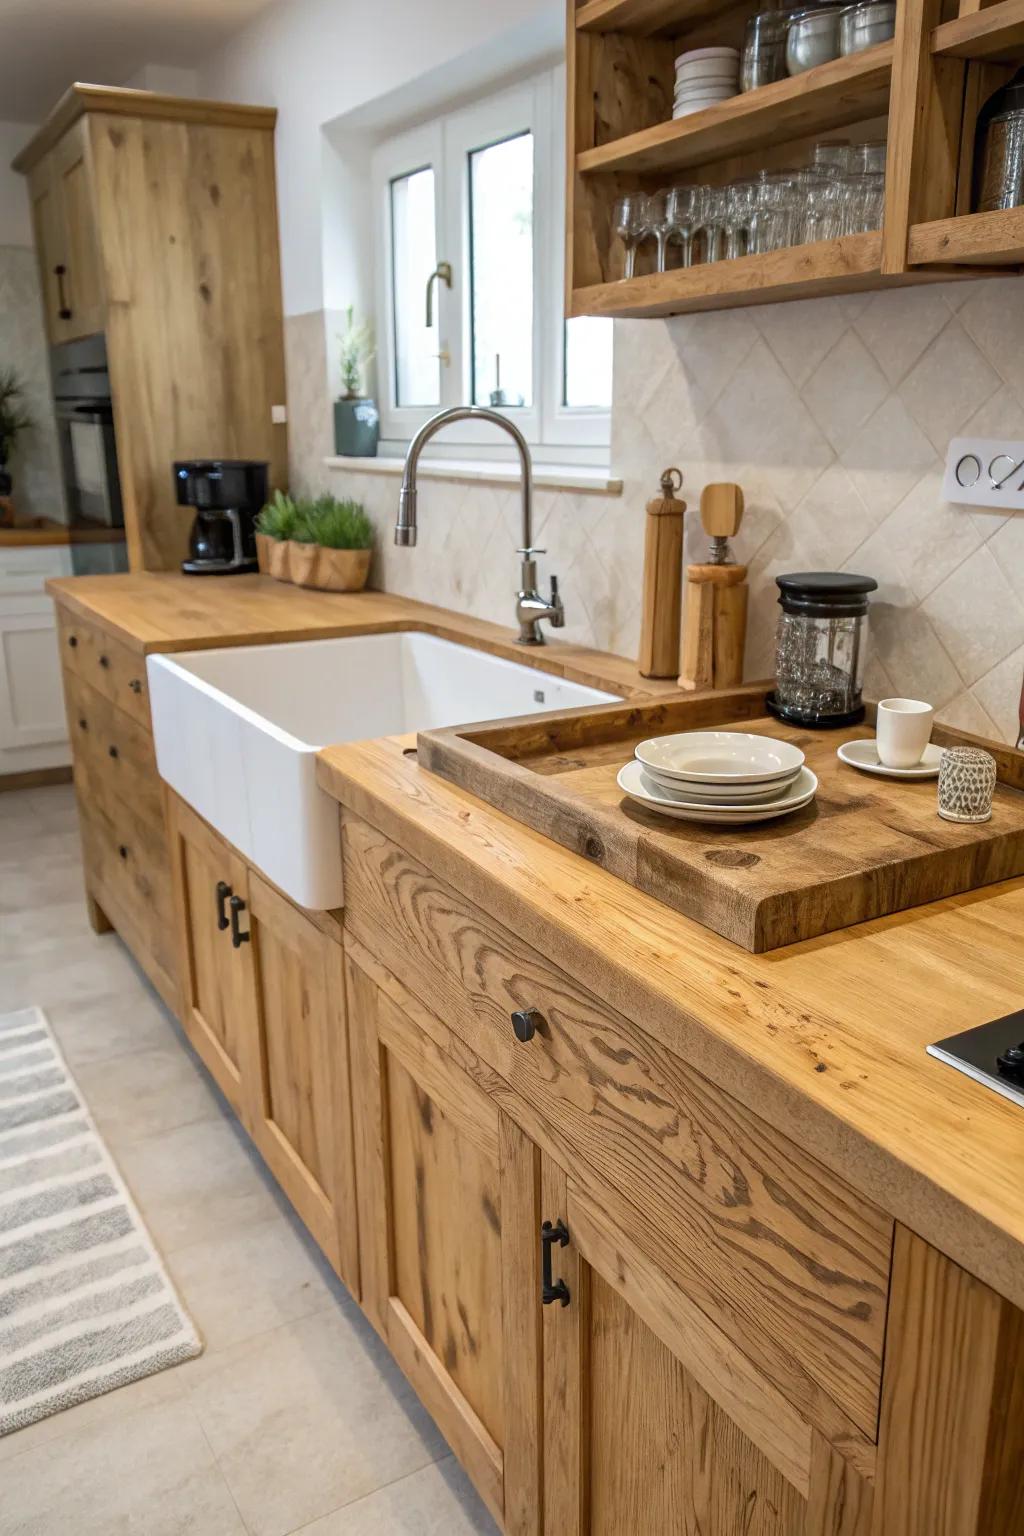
x: 445, y: 143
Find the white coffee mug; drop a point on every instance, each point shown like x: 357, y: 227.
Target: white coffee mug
x: 903, y: 729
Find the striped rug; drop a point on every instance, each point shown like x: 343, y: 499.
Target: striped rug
x: 85, y: 1302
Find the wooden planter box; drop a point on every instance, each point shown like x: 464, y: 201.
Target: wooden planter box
x: 311, y: 565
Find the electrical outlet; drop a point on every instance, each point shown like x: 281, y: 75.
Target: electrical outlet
x: 985, y: 472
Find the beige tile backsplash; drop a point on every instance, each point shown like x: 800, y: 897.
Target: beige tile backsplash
x: 834, y: 415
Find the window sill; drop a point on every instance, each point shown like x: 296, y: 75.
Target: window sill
x: 569, y: 477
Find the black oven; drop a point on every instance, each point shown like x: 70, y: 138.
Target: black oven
x: 88, y: 451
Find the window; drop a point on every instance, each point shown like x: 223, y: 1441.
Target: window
x: 472, y: 205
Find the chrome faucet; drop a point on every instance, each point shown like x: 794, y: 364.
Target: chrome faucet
x: 531, y: 607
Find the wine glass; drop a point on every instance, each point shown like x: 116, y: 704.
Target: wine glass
x: 659, y: 224
x: 683, y: 209
x: 740, y: 200
x: 710, y: 231
x: 630, y: 220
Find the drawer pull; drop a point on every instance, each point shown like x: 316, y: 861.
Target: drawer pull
x: 122, y: 850
x: 526, y: 1022
x: 135, y: 685
x: 552, y: 1290
x: 104, y: 662
x: 73, y: 641
x: 238, y: 938
x: 83, y: 724
x: 222, y: 892
x: 113, y: 752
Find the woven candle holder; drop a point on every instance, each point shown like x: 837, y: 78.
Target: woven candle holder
x: 967, y: 781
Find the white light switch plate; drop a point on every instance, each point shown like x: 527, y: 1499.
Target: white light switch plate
x: 985, y: 472
x: 278, y: 415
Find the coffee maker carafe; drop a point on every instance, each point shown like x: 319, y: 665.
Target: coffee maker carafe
x: 226, y: 494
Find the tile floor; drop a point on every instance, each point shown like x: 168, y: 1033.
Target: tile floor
x: 294, y: 1419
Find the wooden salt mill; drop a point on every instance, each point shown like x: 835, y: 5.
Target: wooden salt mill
x: 715, y: 620
x: 663, y: 581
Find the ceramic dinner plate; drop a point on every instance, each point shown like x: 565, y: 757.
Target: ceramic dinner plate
x: 720, y: 794
x: 864, y: 755
x: 646, y: 792
x: 720, y: 757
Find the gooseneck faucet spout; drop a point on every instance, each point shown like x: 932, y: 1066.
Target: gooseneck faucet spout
x: 531, y: 607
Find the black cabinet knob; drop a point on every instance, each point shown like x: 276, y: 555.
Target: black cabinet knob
x: 73, y: 641
x: 135, y: 685
x: 123, y: 851
x: 113, y: 752
x: 83, y: 724
x: 104, y: 662
x: 526, y: 1022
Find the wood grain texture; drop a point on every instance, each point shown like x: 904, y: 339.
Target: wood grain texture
x: 709, y: 1356
x: 863, y: 848
x: 843, y: 91
x: 105, y: 663
x: 48, y: 237
x: 115, y: 764
x: 194, y: 333
x: 991, y: 240
x: 123, y: 101
x: 827, y: 1039
x: 74, y: 189
x: 369, y: 1140
x: 299, y: 1099
x: 840, y: 1501
x: 565, y: 1333
x: 218, y: 1002
x: 953, y: 1404
x: 646, y: 16
x: 778, y: 1253
x: 519, y: 1165
x: 995, y: 34
x: 661, y: 601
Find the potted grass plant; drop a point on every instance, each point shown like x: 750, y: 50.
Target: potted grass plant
x: 14, y: 420
x: 356, y: 418
x: 323, y: 543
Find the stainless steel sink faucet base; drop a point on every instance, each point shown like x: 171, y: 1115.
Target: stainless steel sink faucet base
x: 531, y: 607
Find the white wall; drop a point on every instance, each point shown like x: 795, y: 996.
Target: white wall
x: 15, y: 224
x: 318, y: 59
x: 167, y: 79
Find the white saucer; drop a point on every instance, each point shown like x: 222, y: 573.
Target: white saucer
x: 634, y: 782
x: 864, y: 755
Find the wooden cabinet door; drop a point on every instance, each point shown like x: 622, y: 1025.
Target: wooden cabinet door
x: 299, y: 1101
x: 654, y: 1421
x: 218, y: 1001
x: 83, y: 289
x: 49, y: 239
x: 447, y: 1188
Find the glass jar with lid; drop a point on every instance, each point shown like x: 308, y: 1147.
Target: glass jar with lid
x: 819, y: 653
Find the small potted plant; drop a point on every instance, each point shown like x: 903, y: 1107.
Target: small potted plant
x: 356, y: 418
x: 324, y: 543
x: 14, y: 420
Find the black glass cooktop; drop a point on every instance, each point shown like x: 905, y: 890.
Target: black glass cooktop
x: 992, y: 1054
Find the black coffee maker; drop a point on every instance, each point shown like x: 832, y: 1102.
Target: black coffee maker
x: 227, y: 494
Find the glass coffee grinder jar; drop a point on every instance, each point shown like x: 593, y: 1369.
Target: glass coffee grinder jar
x: 819, y: 648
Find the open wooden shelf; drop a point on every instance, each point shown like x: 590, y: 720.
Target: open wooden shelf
x: 995, y: 35
x: 972, y: 240
x: 646, y: 18
x: 843, y: 91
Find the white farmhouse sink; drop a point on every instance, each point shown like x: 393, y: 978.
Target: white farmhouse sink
x: 237, y: 732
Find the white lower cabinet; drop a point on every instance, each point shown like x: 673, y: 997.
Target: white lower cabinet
x: 33, y: 730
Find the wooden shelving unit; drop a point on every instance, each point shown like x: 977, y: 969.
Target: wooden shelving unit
x: 925, y: 88
x: 844, y: 91
x: 995, y: 35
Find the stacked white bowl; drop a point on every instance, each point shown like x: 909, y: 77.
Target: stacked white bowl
x: 705, y: 76
x: 723, y: 777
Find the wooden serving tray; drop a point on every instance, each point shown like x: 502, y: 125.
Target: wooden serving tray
x: 865, y: 847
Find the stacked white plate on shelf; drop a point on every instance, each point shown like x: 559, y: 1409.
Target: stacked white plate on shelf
x: 718, y: 777
x: 705, y: 76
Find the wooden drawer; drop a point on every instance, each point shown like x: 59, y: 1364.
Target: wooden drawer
x: 115, y: 764
x: 106, y: 664
x: 128, y: 873
x: 788, y: 1261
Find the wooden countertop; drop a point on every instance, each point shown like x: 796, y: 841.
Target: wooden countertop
x: 166, y: 611
x: 825, y: 1039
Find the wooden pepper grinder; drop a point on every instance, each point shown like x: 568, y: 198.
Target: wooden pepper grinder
x: 663, y: 581
x: 715, y: 621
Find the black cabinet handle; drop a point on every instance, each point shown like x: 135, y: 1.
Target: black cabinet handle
x: 222, y: 892
x: 135, y: 685
x: 552, y: 1290
x: 73, y: 641
x: 526, y: 1022
x: 104, y: 662
x: 83, y: 724
x: 123, y: 851
x: 113, y: 752
x: 63, y: 311
x: 238, y: 938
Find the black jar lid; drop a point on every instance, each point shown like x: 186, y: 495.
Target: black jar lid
x: 825, y: 594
